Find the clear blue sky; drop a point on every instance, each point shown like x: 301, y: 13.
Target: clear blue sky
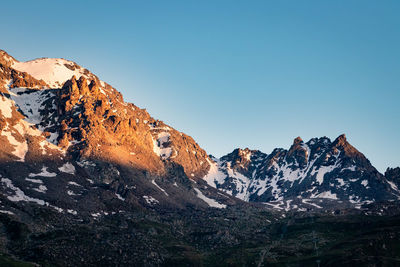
x: 234, y: 73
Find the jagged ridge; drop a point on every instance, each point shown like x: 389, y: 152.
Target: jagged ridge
x: 318, y: 170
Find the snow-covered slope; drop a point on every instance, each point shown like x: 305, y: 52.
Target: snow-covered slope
x: 54, y: 71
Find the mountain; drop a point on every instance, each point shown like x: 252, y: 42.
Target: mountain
x: 316, y: 173
x: 70, y: 142
x: 55, y: 113
x: 87, y: 179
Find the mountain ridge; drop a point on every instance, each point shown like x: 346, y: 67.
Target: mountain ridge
x: 86, y: 119
x: 249, y: 174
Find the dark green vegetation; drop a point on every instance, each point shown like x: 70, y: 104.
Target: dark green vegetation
x: 232, y: 237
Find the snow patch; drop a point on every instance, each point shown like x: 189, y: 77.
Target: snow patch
x: 160, y: 145
x: 340, y: 181
x: 75, y: 184
x: 85, y: 163
x: 36, y: 181
x: 71, y: 193
x: 151, y: 200
x: 7, y: 212
x: 241, y: 182
x: 41, y: 189
x: 20, y: 148
x: 43, y: 173
x: 305, y: 201
x: 209, y: 201
x: 154, y: 182
x: 326, y: 194
x: 119, y: 197
x: 19, y: 194
x: 393, y: 186
x: 214, y: 176
x: 73, y: 212
x: 6, y: 107
x: 67, y: 168
x: 275, y: 206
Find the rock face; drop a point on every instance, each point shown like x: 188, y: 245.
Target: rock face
x: 319, y: 171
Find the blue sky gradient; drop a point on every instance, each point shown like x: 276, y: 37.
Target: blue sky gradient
x: 233, y: 74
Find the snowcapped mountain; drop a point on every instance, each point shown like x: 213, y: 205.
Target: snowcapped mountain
x: 53, y: 71
x: 319, y: 171
x: 58, y: 119
x: 67, y: 136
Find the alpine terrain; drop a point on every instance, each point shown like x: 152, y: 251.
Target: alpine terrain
x: 87, y: 179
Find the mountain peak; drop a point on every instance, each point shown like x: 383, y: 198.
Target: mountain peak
x: 298, y: 152
x: 341, y: 139
x: 342, y: 144
x: 239, y: 154
x: 54, y: 71
x: 297, y: 140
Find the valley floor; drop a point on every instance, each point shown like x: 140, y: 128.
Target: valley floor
x: 212, y: 237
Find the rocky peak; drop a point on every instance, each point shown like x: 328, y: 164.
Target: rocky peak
x: 239, y: 159
x: 298, y: 152
x: 350, y: 153
x: 297, y: 140
x: 239, y: 155
x: 340, y: 140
